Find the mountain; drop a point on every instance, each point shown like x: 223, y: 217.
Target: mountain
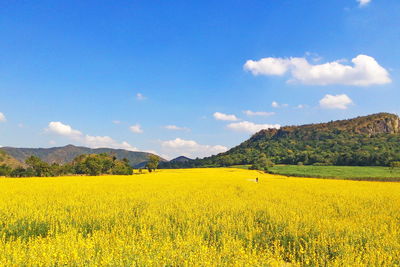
x: 369, y: 140
x: 68, y: 153
x: 180, y: 159
x: 9, y: 160
x: 175, y: 163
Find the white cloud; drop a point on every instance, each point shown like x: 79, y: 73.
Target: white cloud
x: 116, y: 122
x: 250, y: 127
x: 314, y: 56
x: 2, y: 117
x: 189, y: 148
x: 67, y: 131
x: 364, y: 72
x: 363, y: 2
x: 176, y: 128
x: 63, y: 130
x: 275, y: 104
x: 106, y: 141
x: 136, y: 128
x: 335, y: 101
x: 140, y: 97
x: 268, y: 66
x: 258, y: 113
x: 301, y: 106
x: 224, y: 117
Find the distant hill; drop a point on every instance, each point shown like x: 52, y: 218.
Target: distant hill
x: 9, y: 160
x: 68, y: 153
x: 372, y: 140
x: 180, y: 159
x: 175, y: 163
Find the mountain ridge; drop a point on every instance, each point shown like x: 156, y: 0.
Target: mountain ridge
x: 370, y: 124
x: 181, y: 159
x: 67, y: 153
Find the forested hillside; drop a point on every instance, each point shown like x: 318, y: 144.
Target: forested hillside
x: 66, y: 154
x: 372, y: 140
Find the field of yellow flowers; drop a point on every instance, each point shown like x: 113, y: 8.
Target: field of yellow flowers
x: 198, y: 217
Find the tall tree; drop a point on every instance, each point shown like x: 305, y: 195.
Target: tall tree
x: 153, y: 162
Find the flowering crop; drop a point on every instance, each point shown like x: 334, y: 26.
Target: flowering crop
x: 198, y: 217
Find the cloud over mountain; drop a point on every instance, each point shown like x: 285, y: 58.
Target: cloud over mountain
x: 189, y: 148
x: 250, y: 127
x: 64, y: 130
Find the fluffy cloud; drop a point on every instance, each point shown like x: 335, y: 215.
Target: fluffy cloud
x: 364, y: 72
x: 224, y: 117
x: 136, y: 129
x: 61, y: 129
x: 258, y: 113
x: 189, y: 148
x: 176, y: 128
x: 268, y: 66
x: 140, y: 96
x: 363, y: 2
x: 250, y: 127
x: 106, y: 141
x: 64, y: 130
x: 335, y: 101
x: 2, y: 117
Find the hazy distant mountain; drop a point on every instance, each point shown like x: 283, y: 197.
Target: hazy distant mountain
x: 180, y: 159
x: 175, y: 163
x: 68, y: 153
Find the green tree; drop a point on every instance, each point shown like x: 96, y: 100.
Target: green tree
x: 122, y: 168
x: 5, y: 170
x: 262, y: 163
x: 97, y: 164
x: 153, y: 162
x: 93, y: 166
x: 40, y: 168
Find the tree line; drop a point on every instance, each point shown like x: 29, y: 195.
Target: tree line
x: 86, y: 164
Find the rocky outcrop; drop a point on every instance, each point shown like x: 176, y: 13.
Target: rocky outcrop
x: 387, y: 124
x: 379, y: 123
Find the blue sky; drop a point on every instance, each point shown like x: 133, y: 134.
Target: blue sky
x: 190, y: 77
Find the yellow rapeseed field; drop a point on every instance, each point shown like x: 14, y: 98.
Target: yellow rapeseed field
x: 198, y: 217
